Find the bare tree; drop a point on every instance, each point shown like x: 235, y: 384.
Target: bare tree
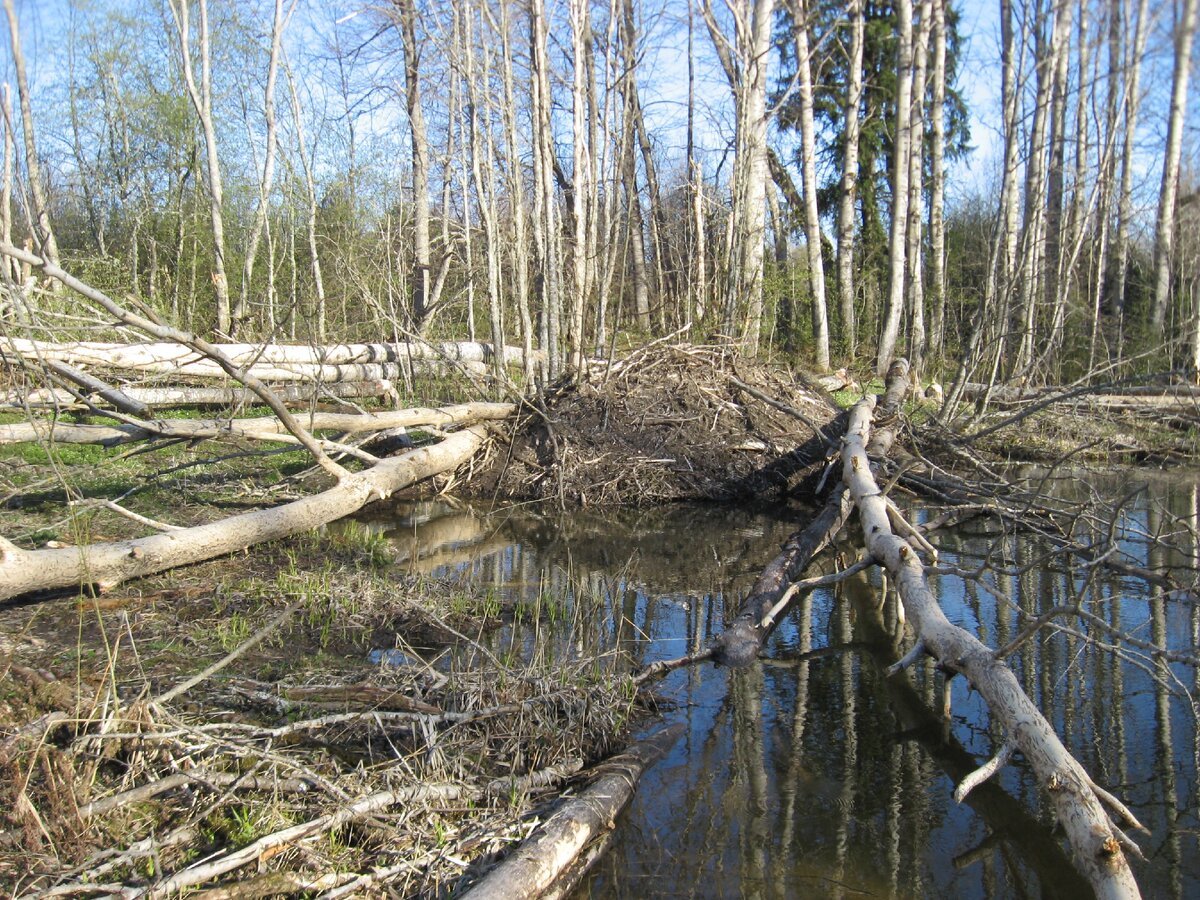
x: 937, y: 195
x: 846, y: 242
x: 808, y: 168
x: 278, y: 23
x: 43, y: 231
x: 1164, y: 226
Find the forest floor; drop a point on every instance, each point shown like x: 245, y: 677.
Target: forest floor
x: 366, y: 679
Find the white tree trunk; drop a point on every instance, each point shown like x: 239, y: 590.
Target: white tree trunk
x: 1164, y: 226
x: 890, y: 333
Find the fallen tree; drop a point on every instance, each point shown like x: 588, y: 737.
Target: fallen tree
x: 257, y: 427
x: 107, y: 564
x: 539, y: 864
x: 1097, y: 843
x: 167, y: 396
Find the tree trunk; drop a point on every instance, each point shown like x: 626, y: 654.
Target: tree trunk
x: 846, y: 241
x: 899, y: 226
x: 937, y: 198
x: 202, y: 102
x: 43, y: 231
x: 1093, y: 838
x: 530, y: 870
x: 808, y: 167
x: 241, y: 313
x: 422, y: 284
x: 1133, y: 103
x: 1164, y: 225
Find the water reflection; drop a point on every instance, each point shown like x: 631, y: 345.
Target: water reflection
x: 811, y: 774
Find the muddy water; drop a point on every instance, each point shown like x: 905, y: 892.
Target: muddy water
x: 812, y: 775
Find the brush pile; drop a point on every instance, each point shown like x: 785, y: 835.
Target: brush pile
x: 666, y: 423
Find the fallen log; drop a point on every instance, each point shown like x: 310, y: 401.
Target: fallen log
x: 741, y: 642
x: 256, y: 427
x: 108, y: 564
x: 534, y: 867
x: 199, y: 395
x: 170, y: 358
x: 1095, y: 840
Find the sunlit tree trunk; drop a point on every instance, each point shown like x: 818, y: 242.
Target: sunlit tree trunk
x: 937, y: 190
x: 914, y: 253
x: 241, y: 311
x: 808, y: 168
x: 580, y: 180
x: 44, y: 232
x: 9, y: 269
x: 422, y: 280
x: 547, y: 237
x: 1133, y: 102
x: 745, y: 60
x: 201, y: 98
x: 310, y: 197
x: 846, y: 235
x: 896, y: 255
x: 1164, y: 226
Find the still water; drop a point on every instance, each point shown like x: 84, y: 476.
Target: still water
x: 812, y: 775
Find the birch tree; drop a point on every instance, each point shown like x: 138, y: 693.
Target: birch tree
x: 899, y: 225
x: 43, y: 231
x: 201, y: 98
x: 808, y: 167
x: 849, y: 186
x: 1164, y: 225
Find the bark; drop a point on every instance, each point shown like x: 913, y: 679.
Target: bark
x: 581, y: 180
x: 1096, y: 845
x: 48, y: 245
x: 914, y: 253
x: 546, y: 234
x: 1133, y: 104
x: 201, y: 98
x: 419, y: 159
x: 846, y: 241
x: 109, y: 564
x: 310, y: 196
x: 534, y: 867
x: 118, y: 398
x: 899, y: 225
x: 1164, y: 227
x: 8, y: 267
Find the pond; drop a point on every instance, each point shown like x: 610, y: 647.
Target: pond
x: 811, y: 774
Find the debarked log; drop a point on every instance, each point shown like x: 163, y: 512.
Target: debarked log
x: 169, y: 358
x: 108, y: 564
x: 257, y: 427
x: 165, y: 396
x: 536, y: 865
x: 1095, y: 841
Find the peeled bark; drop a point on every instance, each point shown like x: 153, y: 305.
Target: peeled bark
x: 1095, y: 842
x: 109, y: 564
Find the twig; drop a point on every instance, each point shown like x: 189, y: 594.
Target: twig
x: 984, y: 772
x: 221, y: 663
